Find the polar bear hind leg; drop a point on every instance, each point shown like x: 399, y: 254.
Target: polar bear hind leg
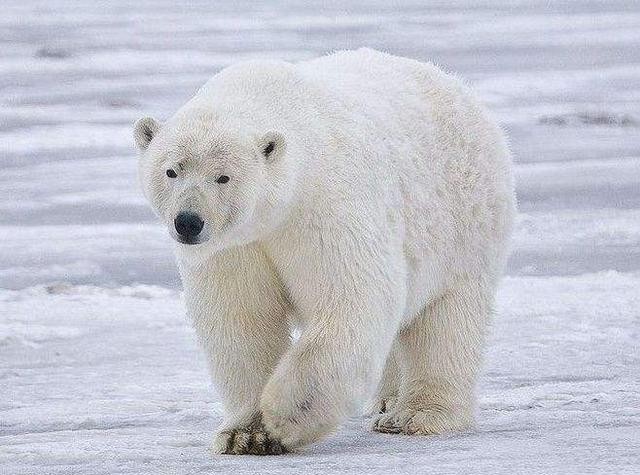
x: 440, y: 354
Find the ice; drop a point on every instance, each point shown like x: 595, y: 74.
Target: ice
x: 99, y: 368
x: 118, y: 385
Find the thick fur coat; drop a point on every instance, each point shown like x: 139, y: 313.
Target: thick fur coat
x: 362, y: 198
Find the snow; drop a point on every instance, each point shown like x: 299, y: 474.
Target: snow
x: 111, y: 381
x: 99, y: 369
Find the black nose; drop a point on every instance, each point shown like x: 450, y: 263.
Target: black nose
x: 188, y: 225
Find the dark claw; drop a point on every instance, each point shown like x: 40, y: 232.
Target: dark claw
x: 232, y: 436
x: 276, y: 448
x: 258, y: 445
x: 255, y: 443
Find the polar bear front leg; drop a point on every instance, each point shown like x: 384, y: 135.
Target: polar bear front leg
x: 321, y: 380
x: 240, y: 316
x: 352, y: 309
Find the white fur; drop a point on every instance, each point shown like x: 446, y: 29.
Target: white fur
x: 378, y: 226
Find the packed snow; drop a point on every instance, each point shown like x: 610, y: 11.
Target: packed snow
x: 99, y: 370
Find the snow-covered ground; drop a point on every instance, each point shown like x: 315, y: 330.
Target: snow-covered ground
x: 99, y: 371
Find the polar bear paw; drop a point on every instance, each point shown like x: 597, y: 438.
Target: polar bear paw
x: 425, y: 421
x: 251, y: 440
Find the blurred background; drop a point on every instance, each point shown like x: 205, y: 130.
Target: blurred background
x: 99, y: 372
x: 562, y: 77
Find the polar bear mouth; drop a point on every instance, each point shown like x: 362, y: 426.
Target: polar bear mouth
x: 189, y: 241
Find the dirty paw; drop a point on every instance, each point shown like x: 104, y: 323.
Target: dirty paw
x: 387, y: 423
x: 252, y: 440
x: 427, y: 421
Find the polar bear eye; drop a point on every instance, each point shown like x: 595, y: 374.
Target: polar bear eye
x: 222, y: 179
x: 269, y: 148
x: 171, y: 173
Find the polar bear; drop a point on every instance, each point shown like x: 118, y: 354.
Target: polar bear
x: 363, y: 199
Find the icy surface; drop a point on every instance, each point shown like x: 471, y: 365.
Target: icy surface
x: 99, y: 370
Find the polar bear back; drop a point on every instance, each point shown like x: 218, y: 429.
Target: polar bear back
x: 429, y: 149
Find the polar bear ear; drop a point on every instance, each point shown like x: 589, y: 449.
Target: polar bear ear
x: 272, y: 146
x: 144, y: 130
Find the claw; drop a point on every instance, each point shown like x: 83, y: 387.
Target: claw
x: 253, y: 440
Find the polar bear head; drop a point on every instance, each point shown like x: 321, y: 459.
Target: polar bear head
x: 213, y: 182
